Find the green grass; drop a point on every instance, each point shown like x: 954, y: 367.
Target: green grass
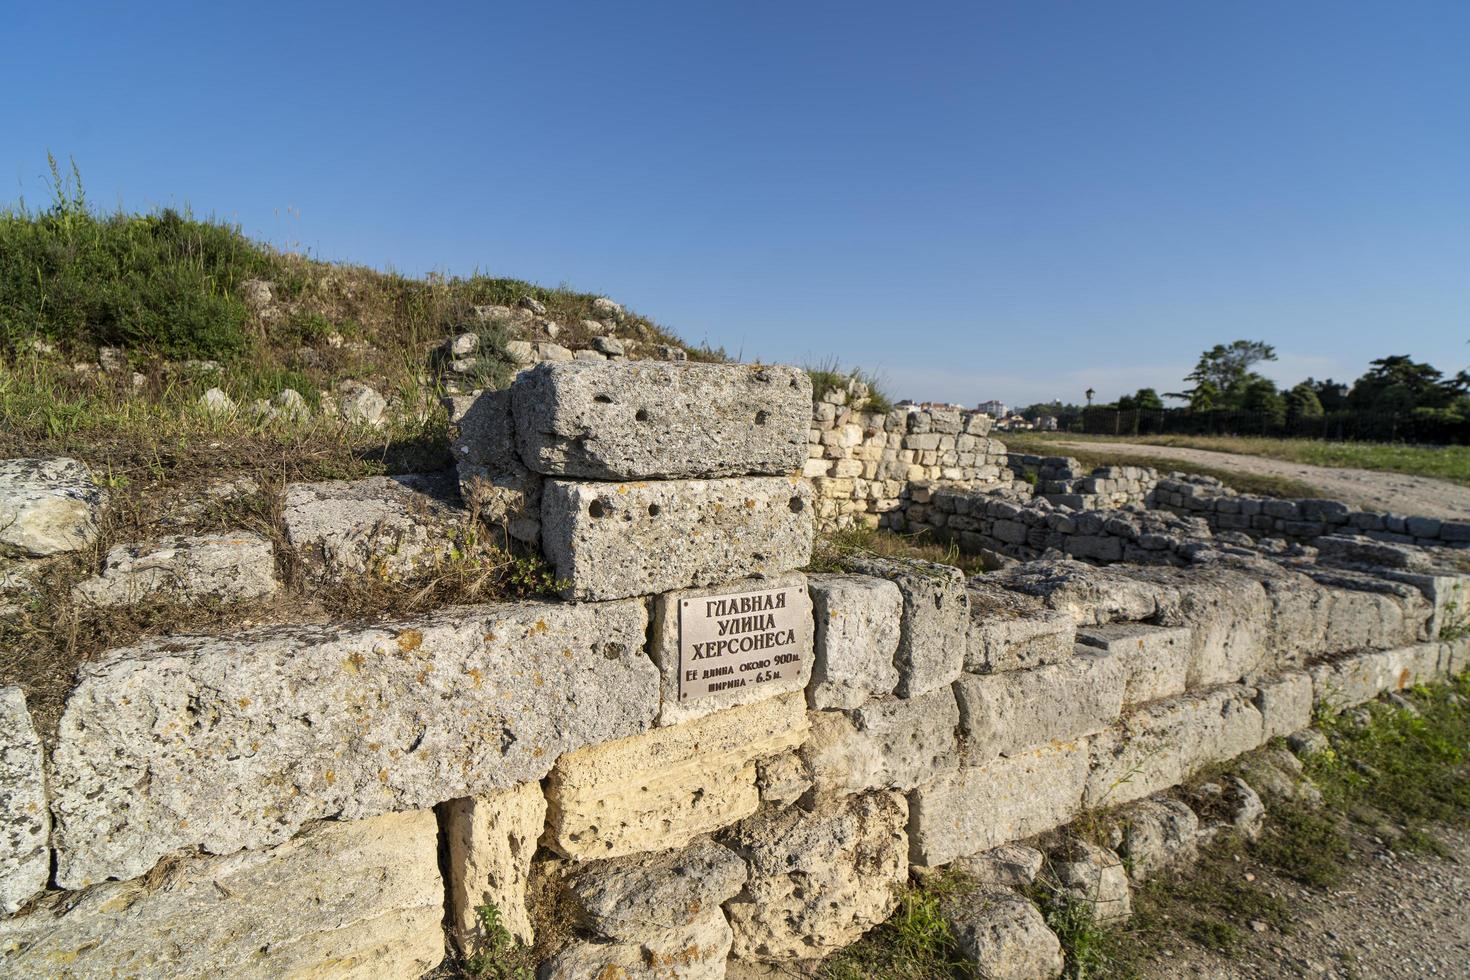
x: 834, y: 548
x: 915, y: 943
x: 1253, y: 483
x: 829, y: 375
x: 1442, y: 462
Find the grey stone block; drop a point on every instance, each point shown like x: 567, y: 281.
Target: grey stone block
x: 1003, y: 936
x: 1009, y: 631
x: 25, y: 817
x: 639, y: 420
x: 1157, y: 834
x: 389, y: 526
x: 1001, y: 714
x: 1155, y: 659
x: 892, y: 743
x: 1285, y: 703
x: 245, y: 738
x: 493, y: 482
x: 858, y: 622
x: 697, y: 951
x: 235, y: 566
x: 936, y: 618
x: 611, y: 540
x: 47, y: 506
x: 635, y: 897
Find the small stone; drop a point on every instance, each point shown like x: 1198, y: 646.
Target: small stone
x: 1157, y: 834
x: 47, y: 506
x: 533, y: 304
x: 216, y: 402
x: 256, y: 293
x: 1308, y: 742
x: 1002, y: 936
x: 291, y: 404
x: 237, y: 566
x: 388, y: 526
x: 1094, y: 876
x: 611, y: 346
x: 1007, y: 866
x: 697, y: 951
x: 362, y: 405
x: 635, y: 897
x: 607, y: 307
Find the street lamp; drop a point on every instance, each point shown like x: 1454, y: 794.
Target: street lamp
x: 1089, y: 393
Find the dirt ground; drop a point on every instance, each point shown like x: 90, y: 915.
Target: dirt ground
x: 1367, y: 489
x: 1394, y: 916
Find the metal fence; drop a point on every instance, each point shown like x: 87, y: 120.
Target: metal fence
x: 1345, y: 425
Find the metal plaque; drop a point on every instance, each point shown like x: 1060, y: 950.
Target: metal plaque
x: 727, y: 642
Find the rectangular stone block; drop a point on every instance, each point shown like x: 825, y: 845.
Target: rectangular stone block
x: 234, y: 742
x: 978, y: 808
x: 858, y: 621
x: 491, y: 840
x: 665, y: 787
x: 665, y: 646
x: 936, y: 618
x: 25, y: 817
x: 1355, y: 678
x: 1285, y: 703
x: 636, y: 420
x: 611, y: 540
x: 1164, y: 743
x: 1010, y: 631
x: 1001, y: 714
x: 359, y: 899
x: 493, y: 481
x: 893, y: 743
x: 1155, y: 658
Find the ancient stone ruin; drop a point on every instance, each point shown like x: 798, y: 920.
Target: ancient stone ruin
x: 703, y: 753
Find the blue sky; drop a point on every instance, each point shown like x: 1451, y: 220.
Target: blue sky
x: 1015, y: 200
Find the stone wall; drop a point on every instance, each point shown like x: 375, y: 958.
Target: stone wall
x: 702, y: 752
x: 1061, y: 480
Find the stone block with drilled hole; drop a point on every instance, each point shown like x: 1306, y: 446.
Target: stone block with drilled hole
x: 611, y: 540
x: 244, y: 738
x: 1164, y: 743
x: 891, y: 743
x: 1003, y: 713
x: 936, y: 618
x: 794, y: 617
x: 665, y: 787
x: 356, y: 898
x: 490, y: 841
x: 857, y: 632
x: 1155, y: 659
x: 25, y: 817
x: 819, y: 879
x: 639, y: 420
x: 978, y: 808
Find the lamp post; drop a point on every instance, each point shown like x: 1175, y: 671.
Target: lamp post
x: 1089, y: 393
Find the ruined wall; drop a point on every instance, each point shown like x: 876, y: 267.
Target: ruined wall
x: 1061, y: 480
x: 701, y: 752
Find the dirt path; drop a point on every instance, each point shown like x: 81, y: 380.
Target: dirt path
x: 1368, y: 489
x: 1394, y: 916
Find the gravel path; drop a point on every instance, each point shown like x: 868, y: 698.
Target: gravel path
x: 1367, y: 489
x: 1395, y: 916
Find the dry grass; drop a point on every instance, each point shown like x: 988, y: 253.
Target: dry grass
x: 834, y: 548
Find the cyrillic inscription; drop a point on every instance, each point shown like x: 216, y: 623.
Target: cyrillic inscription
x: 734, y: 641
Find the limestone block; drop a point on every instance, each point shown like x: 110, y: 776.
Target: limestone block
x: 892, y: 743
x: 1163, y: 743
x: 1155, y: 658
x: 47, y: 506
x: 1090, y: 594
x: 858, y: 619
x: 1094, y: 876
x: 491, y: 840
x: 1003, y: 936
x: 387, y: 526
x: 665, y: 787
x: 359, y: 899
x: 639, y: 420
x: 936, y: 618
x: 643, y: 895
x: 1001, y: 714
x: 782, y: 779
x: 697, y: 951
x: 1353, y: 679
x: 819, y: 879
x: 1010, y: 631
x: 25, y: 819
x: 1227, y: 611
x: 1155, y: 834
x: 1007, y: 866
x: 610, y: 540
x: 664, y: 648
x: 234, y: 742
x: 1285, y: 703
x: 234, y: 567
x: 978, y: 808
x: 493, y: 482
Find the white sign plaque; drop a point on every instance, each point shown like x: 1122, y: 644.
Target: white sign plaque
x: 734, y: 641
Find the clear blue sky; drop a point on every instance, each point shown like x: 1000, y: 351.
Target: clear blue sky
x: 1014, y: 200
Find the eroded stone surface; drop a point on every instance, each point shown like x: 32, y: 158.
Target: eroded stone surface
x: 493, y: 482
x: 644, y: 894
x: 1003, y: 936
x: 1353, y: 679
x: 637, y: 420
x: 697, y: 951
x: 1155, y: 658
x: 1001, y: 714
x: 234, y: 742
x: 893, y: 743
x: 818, y: 879
x: 665, y: 647
x: 25, y: 819
x: 936, y: 618
x: 610, y: 540
x: 387, y: 526
x: 47, y: 506
x: 1094, y: 876
x: 1285, y: 703
x: 1007, y: 866
x: 1013, y: 631
x: 665, y: 787
x: 1155, y: 834
x: 236, y: 566
x: 858, y: 620
x: 978, y: 808
x: 360, y: 899
x: 491, y: 840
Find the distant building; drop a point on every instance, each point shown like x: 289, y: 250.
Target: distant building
x: 995, y: 409
x: 1045, y: 423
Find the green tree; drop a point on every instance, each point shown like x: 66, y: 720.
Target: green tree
x: 1223, y: 375
x: 1261, y: 397
x: 1401, y: 384
x: 1302, y: 402
x: 1332, y: 395
x: 1148, y: 400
